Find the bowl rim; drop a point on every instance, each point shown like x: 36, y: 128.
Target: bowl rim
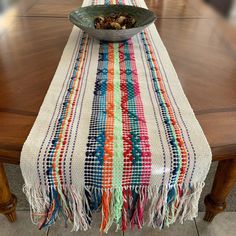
x: 110, y: 30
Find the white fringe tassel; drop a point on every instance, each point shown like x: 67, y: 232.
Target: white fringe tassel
x: 183, y: 207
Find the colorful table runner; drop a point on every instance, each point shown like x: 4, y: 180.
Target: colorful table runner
x: 115, y: 133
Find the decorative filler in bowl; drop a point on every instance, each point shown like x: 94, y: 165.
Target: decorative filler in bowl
x: 112, y: 22
x: 115, y: 21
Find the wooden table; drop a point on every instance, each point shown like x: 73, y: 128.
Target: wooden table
x: 33, y: 35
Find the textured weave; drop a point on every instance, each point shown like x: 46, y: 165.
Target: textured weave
x: 115, y: 134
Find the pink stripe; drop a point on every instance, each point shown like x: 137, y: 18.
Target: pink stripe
x: 128, y: 158
x: 144, y: 141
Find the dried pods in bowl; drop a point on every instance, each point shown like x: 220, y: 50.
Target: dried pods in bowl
x: 115, y: 21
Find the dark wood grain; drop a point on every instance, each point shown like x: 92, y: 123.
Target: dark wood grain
x: 201, y: 45
x: 7, y: 200
x: 54, y: 8
x: 216, y: 123
x: 224, y: 180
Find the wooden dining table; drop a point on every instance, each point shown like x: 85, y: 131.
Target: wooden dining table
x: 201, y: 45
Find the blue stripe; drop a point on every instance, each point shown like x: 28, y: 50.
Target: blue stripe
x: 96, y: 138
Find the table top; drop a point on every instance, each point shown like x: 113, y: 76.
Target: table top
x: 33, y: 34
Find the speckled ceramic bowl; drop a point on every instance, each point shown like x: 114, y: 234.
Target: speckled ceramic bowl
x: 84, y: 19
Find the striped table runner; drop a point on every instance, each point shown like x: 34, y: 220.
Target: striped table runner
x: 115, y: 133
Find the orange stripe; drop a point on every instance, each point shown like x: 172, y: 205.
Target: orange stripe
x: 109, y: 134
x: 54, y: 166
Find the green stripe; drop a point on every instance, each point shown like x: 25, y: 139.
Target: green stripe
x: 118, y: 141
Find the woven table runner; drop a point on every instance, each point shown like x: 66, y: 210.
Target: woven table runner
x: 115, y: 134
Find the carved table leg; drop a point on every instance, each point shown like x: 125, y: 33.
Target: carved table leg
x: 225, y: 178
x: 7, y: 199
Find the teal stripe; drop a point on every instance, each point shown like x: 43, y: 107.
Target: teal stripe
x: 134, y: 124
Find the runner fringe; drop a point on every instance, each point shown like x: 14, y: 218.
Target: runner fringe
x: 123, y: 206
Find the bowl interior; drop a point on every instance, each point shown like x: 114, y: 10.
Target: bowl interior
x: 85, y: 16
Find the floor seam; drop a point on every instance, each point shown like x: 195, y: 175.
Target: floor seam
x: 47, y: 231
x: 196, y: 226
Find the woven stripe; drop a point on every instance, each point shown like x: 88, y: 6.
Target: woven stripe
x: 96, y: 138
x: 134, y: 126
x: 176, y: 141
x: 128, y: 158
x: 183, y: 127
x: 167, y: 117
x: 59, y: 139
x: 118, y: 161
x: 39, y: 161
x: 144, y: 140
x: 109, y: 132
